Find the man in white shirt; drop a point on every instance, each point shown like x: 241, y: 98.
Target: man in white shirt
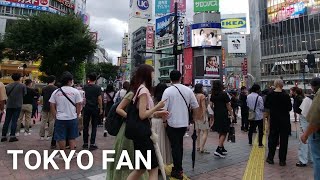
x: 179, y: 99
x: 65, y: 106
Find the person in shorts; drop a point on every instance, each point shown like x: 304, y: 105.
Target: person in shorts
x: 65, y: 105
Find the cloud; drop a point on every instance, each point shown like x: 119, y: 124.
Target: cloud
x: 109, y: 18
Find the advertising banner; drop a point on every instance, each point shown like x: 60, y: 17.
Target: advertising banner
x: 204, y: 82
x: 187, y: 37
x: 162, y: 7
x: 150, y: 37
x: 25, y: 6
x: 237, y: 44
x: 68, y: 3
x: 282, y: 10
x: 167, y: 39
x: 206, y: 5
x: 44, y: 3
x: 245, y: 67
x: 212, y: 67
x: 182, y: 6
x: 188, y: 63
x: 141, y: 9
x: 231, y: 23
x: 206, y: 35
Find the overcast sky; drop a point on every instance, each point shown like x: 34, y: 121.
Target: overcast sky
x: 109, y: 19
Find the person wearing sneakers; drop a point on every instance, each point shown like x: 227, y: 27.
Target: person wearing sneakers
x: 15, y: 92
x: 3, y: 97
x: 45, y: 114
x: 220, y: 101
x: 26, y: 109
x: 255, y: 103
x: 179, y: 99
x: 91, y: 112
x: 65, y: 105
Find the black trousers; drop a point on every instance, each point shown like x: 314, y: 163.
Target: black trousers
x: 244, y: 120
x: 175, y: 136
x: 90, y: 114
x: 273, y: 140
x: 253, y: 126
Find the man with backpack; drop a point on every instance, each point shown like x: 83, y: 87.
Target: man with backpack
x: 92, y: 110
x: 15, y: 92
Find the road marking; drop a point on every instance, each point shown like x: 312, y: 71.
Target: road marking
x: 255, y: 165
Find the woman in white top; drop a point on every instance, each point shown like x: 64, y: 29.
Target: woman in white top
x: 121, y: 93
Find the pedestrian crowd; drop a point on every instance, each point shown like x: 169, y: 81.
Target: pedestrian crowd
x: 143, y: 117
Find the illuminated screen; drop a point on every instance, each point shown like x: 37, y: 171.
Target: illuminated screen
x: 206, y: 37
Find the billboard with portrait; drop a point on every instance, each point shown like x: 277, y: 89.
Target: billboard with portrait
x: 206, y: 35
x: 212, y: 67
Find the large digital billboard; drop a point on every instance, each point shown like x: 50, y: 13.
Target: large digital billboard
x: 206, y: 35
x: 280, y: 10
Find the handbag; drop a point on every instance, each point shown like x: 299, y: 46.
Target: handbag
x: 190, y: 113
x: 136, y: 128
x: 252, y: 113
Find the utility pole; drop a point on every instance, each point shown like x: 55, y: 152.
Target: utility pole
x: 175, y: 35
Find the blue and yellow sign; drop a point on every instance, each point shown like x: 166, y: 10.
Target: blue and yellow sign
x: 234, y: 23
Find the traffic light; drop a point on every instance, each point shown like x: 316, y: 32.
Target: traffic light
x: 311, y: 60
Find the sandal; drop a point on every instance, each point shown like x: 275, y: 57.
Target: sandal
x: 204, y: 152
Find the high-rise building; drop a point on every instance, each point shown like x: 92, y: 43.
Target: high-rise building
x: 138, y: 40
x: 13, y: 9
x: 289, y: 31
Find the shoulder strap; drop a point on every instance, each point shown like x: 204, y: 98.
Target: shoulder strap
x: 311, y: 96
x: 182, y: 96
x: 255, y: 105
x: 60, y: 89
x: 137, y: 98
x: 11, y: 89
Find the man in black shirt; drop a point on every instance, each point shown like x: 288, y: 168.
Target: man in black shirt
x: 26, y: 109
x: 91, y: 111
x: 244, y: 109
x: 46, y: 115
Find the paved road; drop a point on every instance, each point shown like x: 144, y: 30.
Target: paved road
x: 207, y: 166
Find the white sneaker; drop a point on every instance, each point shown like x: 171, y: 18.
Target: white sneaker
x: 186, y: 135
x: 27, y: 133
x: 58, y: 156
x: 17, y: 134
x: 48, y: 138
x: 41, y: 138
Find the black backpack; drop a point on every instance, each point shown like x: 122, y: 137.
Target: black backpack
x: 114, y: 120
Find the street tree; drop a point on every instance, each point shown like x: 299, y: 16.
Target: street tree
x: 104, y: 70
x: 62, y: 43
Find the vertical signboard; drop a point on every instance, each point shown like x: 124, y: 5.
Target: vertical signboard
x: 188, y: 64
x: 187, y: 37
x: 245, y: 67
x: 182, y: 6
x: 206, y: 5
x: 162, y: 7
x: 150, y: 37
x: 141, y: 9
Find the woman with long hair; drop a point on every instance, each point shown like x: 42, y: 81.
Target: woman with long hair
x: 122, y: 143
x: 201, y: 119
x: 159, y: 127
x: 222, y: 111
x: 142, y: 86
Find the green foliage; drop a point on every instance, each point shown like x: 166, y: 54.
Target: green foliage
x: 62, y: 42
x: 104, y: 70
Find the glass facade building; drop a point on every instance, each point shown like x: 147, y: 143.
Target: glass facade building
x: 289, y: 30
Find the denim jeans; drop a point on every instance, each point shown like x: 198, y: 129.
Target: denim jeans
x: 314, y: 141
x: 12, y: 115
x: 304, y: 152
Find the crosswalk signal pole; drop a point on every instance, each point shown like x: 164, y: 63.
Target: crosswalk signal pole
x: 175, y: 46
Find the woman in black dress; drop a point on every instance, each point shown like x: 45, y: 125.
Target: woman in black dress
x: 222, y: 109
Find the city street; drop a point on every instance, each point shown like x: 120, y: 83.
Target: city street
x: 207, y: 167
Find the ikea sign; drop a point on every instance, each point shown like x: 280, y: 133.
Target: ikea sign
x: 234, y: 23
